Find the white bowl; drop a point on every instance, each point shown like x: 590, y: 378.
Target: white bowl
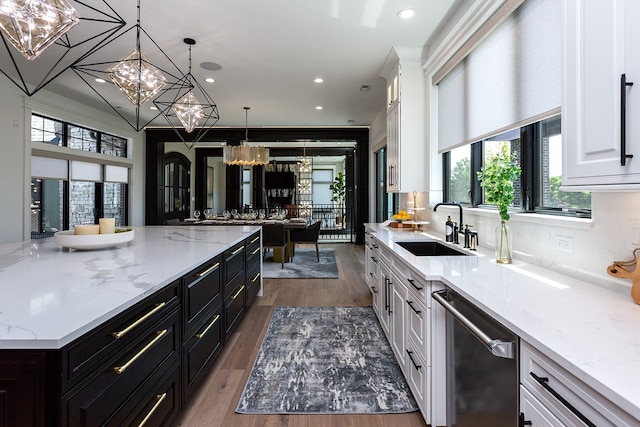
x: 68, y: 239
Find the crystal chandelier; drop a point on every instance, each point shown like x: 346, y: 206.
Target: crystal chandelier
x: 244, y: 155
x: 189, y: 111
x: 41, y: 39
x: 189, y: 108
x: 133, y: 75
x: 136, y: 77
x: 33, y: 25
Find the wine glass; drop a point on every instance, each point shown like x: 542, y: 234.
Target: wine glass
x: 207, y: 213
x: 196, y: 214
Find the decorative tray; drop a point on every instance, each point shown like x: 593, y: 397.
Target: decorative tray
x: 68, y: 239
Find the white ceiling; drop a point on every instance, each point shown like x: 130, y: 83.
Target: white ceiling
x: 270, y: 51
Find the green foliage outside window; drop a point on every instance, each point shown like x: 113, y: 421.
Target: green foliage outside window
x: 460, y: 181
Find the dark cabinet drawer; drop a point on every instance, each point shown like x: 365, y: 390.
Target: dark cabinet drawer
x: 234, y: 260
x: 201, y: 349
x: 86, y: 354
x: 159, y: 406
x: 234, y: 309
x: 253, y: 285
x: 101, y: 400
x: 252, y: 245
x: 202, y: 290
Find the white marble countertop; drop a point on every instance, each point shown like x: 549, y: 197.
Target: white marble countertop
x: 51, y: 295
x: 592, y: 331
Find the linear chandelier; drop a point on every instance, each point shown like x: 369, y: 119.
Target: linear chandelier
x: 243, y: 154
x: 190, y: 108
x: 58, y: 32
x: 134, y: 75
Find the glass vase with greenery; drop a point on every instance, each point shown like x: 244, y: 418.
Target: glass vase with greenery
x: 496, y: 178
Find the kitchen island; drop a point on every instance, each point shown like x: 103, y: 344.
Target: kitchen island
x: 588, y: 334
x: 115, y: 325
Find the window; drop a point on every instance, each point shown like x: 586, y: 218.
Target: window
x: 66, y: 191
x: 458, y: 163
x: 321, y: 180
x: 537, y: 148
x: 246, y: 186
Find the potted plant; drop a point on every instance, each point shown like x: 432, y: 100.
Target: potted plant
x: 338, y: 190
x: 496, y: 178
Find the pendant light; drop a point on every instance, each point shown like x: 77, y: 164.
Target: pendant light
x: 32, y: 25
x: 191, y: 112
x: 43, y: 38
x: 141, y: 76
x: 243, y: 154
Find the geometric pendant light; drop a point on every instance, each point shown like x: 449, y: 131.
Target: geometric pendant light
x: 32, y: 25
x: 43, y: 38
x: 190, y: 111
x: 130, y: 82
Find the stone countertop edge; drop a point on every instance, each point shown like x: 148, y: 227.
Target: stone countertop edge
x: 590, y: 330
x: 52, y: 295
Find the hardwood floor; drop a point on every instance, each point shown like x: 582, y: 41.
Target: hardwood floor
x: 215, y: 402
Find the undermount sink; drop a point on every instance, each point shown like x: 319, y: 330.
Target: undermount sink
x: 431, y: 248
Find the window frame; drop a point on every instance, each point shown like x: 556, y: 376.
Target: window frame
x: 61, y: 150
x: 530, y: 178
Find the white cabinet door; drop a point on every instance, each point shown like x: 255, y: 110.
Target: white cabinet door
x: 398, y: 297
x: 385, y: 299
x: 600, y: 43
x: 534, y: 412
x: 406, y: 141
x: 393, y: 147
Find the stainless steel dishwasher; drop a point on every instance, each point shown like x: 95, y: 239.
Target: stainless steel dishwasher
x: 482, y: 366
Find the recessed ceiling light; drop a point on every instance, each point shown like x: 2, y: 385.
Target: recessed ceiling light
x: 210, y: 80
x: 318, y: 80
x: 319, y: 107
x: 364, y: 88
x: 406, y: 13
x: 153, y: 108
x: 99, y: 80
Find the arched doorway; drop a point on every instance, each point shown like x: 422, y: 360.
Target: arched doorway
x: 176, y: 186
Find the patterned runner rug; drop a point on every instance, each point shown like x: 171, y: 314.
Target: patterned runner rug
x: 323, y: 360
x: 304, y: 265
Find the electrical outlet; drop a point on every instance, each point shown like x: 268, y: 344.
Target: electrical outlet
x: 633, y: 234
x: 564, y: 244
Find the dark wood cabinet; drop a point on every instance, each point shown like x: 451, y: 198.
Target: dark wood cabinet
x: 145, y: 363
x: 23, y: 388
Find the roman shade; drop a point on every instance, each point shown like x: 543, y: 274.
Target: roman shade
x: 510, y: 79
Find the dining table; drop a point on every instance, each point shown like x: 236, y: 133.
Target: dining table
x: 289, y: 223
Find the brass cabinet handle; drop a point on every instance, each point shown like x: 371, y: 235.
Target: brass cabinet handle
x: 209, y: 270
x: 120, y: 369
x: 160, y: 398
x: 120, y: 334
x: 237, y: 250
x: 255, y: 251
x: 256, y: 277
x: 238, y: 293
x: 255, y: 239
x: 213, y: 322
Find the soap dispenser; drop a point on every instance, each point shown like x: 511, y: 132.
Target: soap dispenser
x: 448, y: 230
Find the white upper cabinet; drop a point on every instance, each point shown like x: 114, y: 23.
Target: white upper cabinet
x: 600, y: 113
x: 406, y: 145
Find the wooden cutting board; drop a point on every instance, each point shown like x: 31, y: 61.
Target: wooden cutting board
x: 616, y: 270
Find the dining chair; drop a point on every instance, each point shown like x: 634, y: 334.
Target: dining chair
x: 309, y: 234
x: 274, y: 237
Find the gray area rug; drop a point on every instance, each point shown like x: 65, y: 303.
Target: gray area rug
x: 303, y: 266
x: 324, y: 360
